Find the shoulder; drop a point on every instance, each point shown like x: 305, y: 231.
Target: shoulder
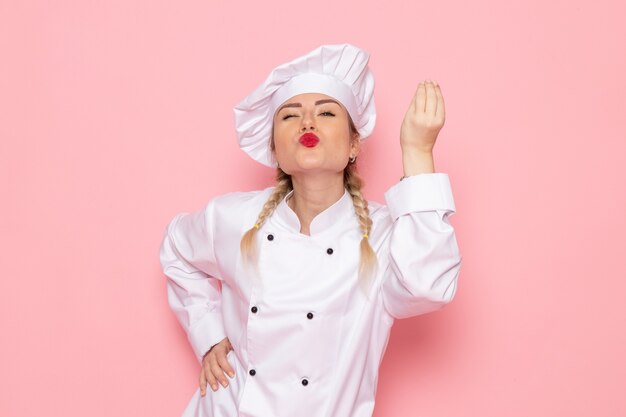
x: 238, y: 208
x: 240, y: 199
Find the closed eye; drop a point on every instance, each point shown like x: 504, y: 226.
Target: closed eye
x: 327, y: 113
x: 287, y: 116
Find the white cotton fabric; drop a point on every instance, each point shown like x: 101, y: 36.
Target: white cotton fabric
x: 339, y: 71
x: 339, y: 349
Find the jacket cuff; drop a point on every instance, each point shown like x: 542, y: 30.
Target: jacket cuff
x: 422, y: 192
x: 205, y: 333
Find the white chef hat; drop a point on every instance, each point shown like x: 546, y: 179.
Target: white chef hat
x: 339, y: 71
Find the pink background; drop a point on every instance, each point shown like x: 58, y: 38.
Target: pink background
x: 116, y: 115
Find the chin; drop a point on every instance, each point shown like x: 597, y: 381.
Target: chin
x: 303, y: 164
x: 311, y: 169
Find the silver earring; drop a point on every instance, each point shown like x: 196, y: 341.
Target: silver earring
x: 352, y: 159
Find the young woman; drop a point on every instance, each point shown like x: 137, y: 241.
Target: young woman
x: 288, y: 294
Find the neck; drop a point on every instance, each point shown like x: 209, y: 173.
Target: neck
x: 314, y: 194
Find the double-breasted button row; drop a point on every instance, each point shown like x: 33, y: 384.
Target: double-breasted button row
x: 304, y: 381
x: 255, y: 310
x: 329, y: 251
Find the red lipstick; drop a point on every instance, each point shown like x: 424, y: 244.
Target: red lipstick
x: 309, y: 140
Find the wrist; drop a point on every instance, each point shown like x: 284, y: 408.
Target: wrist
x: 416, y: 161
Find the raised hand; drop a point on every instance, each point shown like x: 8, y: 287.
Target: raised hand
x: 424, y: 118
x: 420, y: 127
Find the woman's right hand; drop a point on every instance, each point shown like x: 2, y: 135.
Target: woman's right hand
x: 214, y: 366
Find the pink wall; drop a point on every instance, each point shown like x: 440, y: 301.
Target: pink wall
x: 116, y: 115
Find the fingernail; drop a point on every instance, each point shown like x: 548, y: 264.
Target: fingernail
x: 214, y: 387
x: 231, y: 374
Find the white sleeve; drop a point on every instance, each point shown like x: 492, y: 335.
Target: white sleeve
x: 424, y: 255
x: 193, y: 287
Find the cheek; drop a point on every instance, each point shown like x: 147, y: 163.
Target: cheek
x: 283, y: 148
x: 278, y: 137
x: 342, y: 141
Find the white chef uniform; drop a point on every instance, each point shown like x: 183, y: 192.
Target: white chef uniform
x: 307, y: 340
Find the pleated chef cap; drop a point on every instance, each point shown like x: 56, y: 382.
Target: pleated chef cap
x: 339, y: 71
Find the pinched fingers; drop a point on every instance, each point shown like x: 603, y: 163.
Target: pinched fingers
x: 429, y: 104
x: 428, y: 98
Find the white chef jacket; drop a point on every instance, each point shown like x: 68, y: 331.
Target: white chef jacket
x: 306, y: 339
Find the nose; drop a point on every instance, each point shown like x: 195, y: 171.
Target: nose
x: 307, y: 123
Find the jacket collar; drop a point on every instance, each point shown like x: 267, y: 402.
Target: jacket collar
x: 322, y: 222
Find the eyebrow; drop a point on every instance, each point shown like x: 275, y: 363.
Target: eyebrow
x: 317, y: 103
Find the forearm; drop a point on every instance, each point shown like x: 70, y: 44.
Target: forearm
x: 193, y: 287
x: 423, y: 252
x: 417, y: 161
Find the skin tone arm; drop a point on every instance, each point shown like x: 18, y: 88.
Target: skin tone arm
x: 420, y: 127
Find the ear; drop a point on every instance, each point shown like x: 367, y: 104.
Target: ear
x: 273, y: 149
x: 355, y: 145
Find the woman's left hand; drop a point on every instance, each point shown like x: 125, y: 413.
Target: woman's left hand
x: 424, y: 118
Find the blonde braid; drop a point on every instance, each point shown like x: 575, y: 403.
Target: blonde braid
x: 283, y: 186
x: 368, y: 261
